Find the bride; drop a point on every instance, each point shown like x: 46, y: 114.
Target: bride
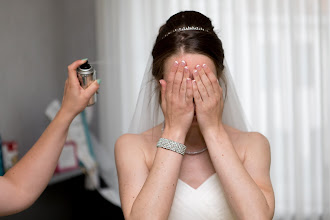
x: 194, y: 159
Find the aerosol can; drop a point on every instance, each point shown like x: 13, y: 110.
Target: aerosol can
x: 87, y: 75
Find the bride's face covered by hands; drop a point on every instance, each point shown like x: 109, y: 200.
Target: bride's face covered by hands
x: 192, y: 63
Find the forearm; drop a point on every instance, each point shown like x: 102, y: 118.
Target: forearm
x: 243, y: 194
x: 32, y: 173
x: 156, y: 196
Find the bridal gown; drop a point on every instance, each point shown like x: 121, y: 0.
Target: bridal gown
x: 207, y: 202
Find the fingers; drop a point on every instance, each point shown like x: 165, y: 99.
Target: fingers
x: 183, y: 87
x: 189, y: 90
x: 72, y: 69
x: 205, y: 80
x: 200, y: 86
x: 197, y: 96
x: 213, y: 79
x: 92, y: 88
x: 163, y: 90
x: 178, y: 77
x: 171, y: 76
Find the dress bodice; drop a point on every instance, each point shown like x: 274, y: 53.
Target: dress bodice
x: 206, y: 202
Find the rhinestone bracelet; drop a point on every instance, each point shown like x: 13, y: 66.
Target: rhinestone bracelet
x: 171, y: 145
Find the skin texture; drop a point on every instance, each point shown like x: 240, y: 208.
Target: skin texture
x: 23, y: 183
x: 148, y: 175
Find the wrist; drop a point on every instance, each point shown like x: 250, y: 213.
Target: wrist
x: 174, y: 135
x: 65, y: 116
x: 214, y: 131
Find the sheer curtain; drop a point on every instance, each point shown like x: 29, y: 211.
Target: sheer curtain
x: 278, y: 52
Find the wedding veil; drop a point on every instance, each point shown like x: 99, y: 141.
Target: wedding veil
x: 148, y: 112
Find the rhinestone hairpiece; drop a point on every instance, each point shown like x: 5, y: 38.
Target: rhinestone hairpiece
x: 189, y: 28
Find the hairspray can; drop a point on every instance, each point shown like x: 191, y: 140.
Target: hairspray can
x: 86, y: 75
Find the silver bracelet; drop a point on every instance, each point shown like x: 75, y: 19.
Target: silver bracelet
x: 171, y: 145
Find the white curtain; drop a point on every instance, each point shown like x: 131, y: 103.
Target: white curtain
x: 279, y: 54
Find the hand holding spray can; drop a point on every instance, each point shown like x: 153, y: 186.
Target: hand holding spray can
x: 87, y: 75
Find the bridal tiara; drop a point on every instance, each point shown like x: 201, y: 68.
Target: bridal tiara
x: 189, y: 28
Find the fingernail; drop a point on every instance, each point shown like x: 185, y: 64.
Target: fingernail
x: 176, y: 63
x: 195, y: 72
x: 198, y: 67
x: 194, y: 81
x: 183, y: 63
x: 98, y: 81
x: 204, y: 65
x: 85, y: 59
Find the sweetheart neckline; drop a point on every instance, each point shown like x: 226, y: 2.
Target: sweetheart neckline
x: 203, y: 183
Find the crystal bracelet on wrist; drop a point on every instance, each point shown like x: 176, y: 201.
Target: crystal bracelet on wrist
x: 171, y: 145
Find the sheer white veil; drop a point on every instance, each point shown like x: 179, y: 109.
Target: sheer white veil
x: 148, y: 112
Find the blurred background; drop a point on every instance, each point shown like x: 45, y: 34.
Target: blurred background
x: 278, y: 52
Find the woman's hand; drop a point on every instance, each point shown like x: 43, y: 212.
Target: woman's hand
x: 177, y: 101
x: 75, y: 98
x: 208, y: 98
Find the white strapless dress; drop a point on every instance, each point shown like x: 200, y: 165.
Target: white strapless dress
x: 207, y: 202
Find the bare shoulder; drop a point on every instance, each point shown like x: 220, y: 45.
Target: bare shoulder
x: 248, y: 138
x: 255, y: 138
x: 253, y: 144
x: 256, y: 141
x: 257, y: 150
x: 129, y: 142
x: 137, y: 142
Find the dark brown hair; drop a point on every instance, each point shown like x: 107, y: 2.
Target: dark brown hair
x: 170, y: 42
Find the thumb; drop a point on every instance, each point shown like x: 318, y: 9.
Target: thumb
x: 92, y: 88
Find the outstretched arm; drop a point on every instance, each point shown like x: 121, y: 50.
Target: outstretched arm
x: 23, y: 183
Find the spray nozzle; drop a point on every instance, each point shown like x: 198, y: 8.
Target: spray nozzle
x: 86, y: 65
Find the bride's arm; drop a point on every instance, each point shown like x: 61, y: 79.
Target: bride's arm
x: 144, y: 194
x: 247, y: 186
x: 149, y: 195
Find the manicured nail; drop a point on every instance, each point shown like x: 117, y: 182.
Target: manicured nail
x: 85, y: 59
x: 183, y: 63
x: 195, y: 72
x: 194, y: 81
x: 198, y: 67
x: 176, y: 63
x: 204, y: 65
x: 98, y: 81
